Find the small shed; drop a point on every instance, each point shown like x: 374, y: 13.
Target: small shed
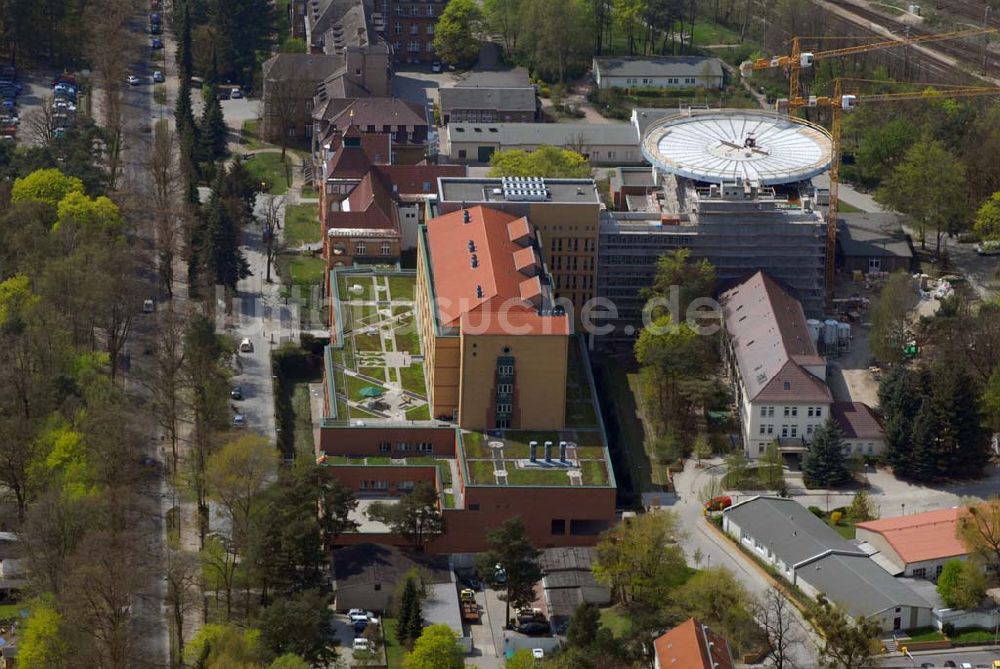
x: 365, y: 575
x: 872, y: 242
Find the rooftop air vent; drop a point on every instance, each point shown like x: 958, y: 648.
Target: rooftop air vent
x: 474, y: 261
x: 466, y: 217
x: 472, y: 246
x: 479, y: 292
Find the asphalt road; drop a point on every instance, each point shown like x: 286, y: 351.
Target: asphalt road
x: 936, y: 660
x: 149, y: 622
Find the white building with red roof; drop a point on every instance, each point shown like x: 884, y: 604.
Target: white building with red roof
x: 916, y: 545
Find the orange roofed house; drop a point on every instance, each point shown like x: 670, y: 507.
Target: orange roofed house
x: 917, y: 545
x: 692, y: 645
x: 465, y: 375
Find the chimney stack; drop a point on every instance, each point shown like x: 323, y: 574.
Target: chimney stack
x: 548, y: 451
x: 533, y: 445
x: 562, y: 451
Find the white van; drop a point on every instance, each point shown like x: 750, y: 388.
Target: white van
x: 361, y: 645
x: 246, y: 346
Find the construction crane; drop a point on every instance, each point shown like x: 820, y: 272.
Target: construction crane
x: 841, y: 102
x: 799, y: 59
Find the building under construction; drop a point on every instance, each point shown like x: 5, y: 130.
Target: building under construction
x: 731, y: 185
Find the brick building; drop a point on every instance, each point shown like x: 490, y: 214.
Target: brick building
x: 410, y: 28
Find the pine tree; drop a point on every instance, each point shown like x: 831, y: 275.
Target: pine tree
x: 901, y: 394
x: 213, y: 130
x: 185, y: 64
x: 410, y: 623
x: 221, y: 256
x: 825, y: 464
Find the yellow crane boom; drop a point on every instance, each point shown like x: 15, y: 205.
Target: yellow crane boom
x: 840, y: 102
x: 799, y: 59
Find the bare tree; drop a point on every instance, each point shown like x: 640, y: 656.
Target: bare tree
x: 121, y: 301
x: 41, y: 124
x: 273, y: 206
x: 776, y: 616
x: 284, y: 110
x: 167, y: 380
x: 182, y: 591
x: 110, y: 47
x: 168, y: 208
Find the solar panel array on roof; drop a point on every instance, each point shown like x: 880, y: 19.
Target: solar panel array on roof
x: 524, y: 189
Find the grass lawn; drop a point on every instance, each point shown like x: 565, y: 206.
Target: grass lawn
x: 160, y: 95
x: 845, y: 208
x: 344, y: 283
x: 926, y: 634
x: 354, y: 386
x: 303, y: 441
x: 616, y: 620
x: 11, y: 611
x: 407, y: 339
x: 302, y: 224
x: 422, y: 412
x: 481, y: 471
x: 402, y: 287
x: 973, y: 635
x: 308, y: 192
x: 368, y: 342
x: 307, y: 270
x: 594, y: 472
x: 844, y: 529
x: 706, y: 32
x: 413, y: 379
x: 251, y: 140
x: 393, y: 649
x: 268, y: 168
x: 474, y: 444
x: 374, y: 372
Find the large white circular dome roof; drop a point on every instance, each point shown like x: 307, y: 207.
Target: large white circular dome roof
x: 725, y: 144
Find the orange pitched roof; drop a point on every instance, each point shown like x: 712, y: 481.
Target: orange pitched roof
x: 476, y: 282
x: 687, y: 647
x: 922, y: 536
x: 518, y: 229
x: 525, y: 258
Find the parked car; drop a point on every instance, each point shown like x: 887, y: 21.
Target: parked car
x: 357, y: 615
x: 360, y: 626
x: 158, y: 77
x: 361, y: 645
x: 157, y: 43
x: 236, y: 393
x: 533, y: 629
x: 239, y: 420
x: 246, y: 346
x: 989, y: 247
x: 148, y: 306
x: 538, y: 653
x: 719, y: 503
x: 237, y: 94
x: 436, y: 66
x: 154, y: 29
x: 133, y: 80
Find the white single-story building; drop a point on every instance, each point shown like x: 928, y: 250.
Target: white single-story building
x: 810, y: 554
x: 659, y: 72
x: 601, y: 143
x: 917, y: 545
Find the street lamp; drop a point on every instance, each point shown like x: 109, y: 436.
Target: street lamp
x: 902, y: 507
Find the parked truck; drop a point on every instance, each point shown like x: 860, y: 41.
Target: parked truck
x: 470, y: 609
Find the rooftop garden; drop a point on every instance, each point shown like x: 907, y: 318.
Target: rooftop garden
x: 585, y: 449
x: 375, y: 375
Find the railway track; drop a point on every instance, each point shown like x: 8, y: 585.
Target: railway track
x: 969, y: 55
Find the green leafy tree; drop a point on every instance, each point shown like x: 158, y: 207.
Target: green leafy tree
x: 417, y: 516
x: 702, y: 447
x: 546, y: 161
x: 338, y: 502
x: 299, y: 624
x: 716, y: 598
x: 503, y: 17
x: 847, y: 643
x: 290, y: 661
x: 672, y: 356
x: 437, y: 648
x: 224, y: 647
x: 47, y: 185
x: 884, y: 146
x: 737, y: 469
x: 679, y: 281
x: 511, y: 564
x: 979, y: 531
x: 583, y: 625
x: 825, y: 464
x: 42, y: 643
x: 891, y: 325
x: 990, y: 402
x: 962, y: 584
x: 455, y: 36
x: 862, y: 508
x: 640, y: 559
x: 988, y: 218
x: 942, y: 208
x: 772, y: 465
x: 557, y: 39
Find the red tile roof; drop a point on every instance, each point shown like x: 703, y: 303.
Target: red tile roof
x: 921, y: 536
x: 687, y: 647
x: 768, y: 332
x: 857, y: 420
x: 480, y: 290
x: 410, y: 179
x: 525, y: 258
x: 374, y: 111
x: 353, y: 162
